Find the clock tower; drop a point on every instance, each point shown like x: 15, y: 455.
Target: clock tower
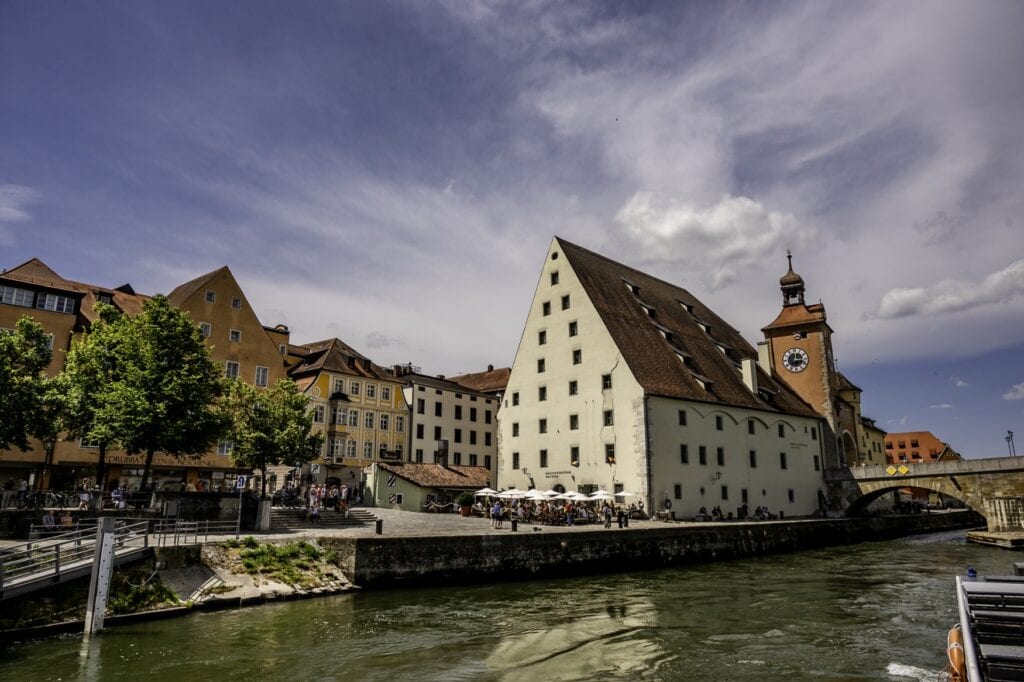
x: 798, y: 348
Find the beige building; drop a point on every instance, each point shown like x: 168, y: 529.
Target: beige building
x: 410, y: 486
x: 357, y: 405
x: 628, y: 383
x: 66, y: 308
x: 449, y: 423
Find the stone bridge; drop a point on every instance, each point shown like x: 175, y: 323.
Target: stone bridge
x: 992, y: 487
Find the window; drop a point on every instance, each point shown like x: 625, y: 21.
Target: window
x: 318, y: 414
x: 684, y: 453
x: 678, y: 491
x: 782, y: 460
x: 543, y: 458
x: 913, y: 444
x: 720, y: 455
x: 472, y: 414
x: 385, y: 393
x: 371, y: 390
x: 782, y: 430
x: 458, y: 459
x: 211, y: 296
x: 609, y: 417
x: 609, y: 453
x: 573, y: 328
x: 437, y: 433
x: 542, y: 337
x: 487, y: 461
x: 339, y: 386
x: 718, y: 423
x: 421, y: 406
x: 235, y: 336
x: 225, y: 447
x: 573, y: 388
x: 542, y: 426
x: 577, y: 356
x: 814, y: 433
x: 574, y: 422
x: 205, y: 329
x: 472, y: 460
x: 540, y: 365
x: 472, y: 437
x: 546, y: 308
x: 353, y: 417
x: 743, y: 495
x: 565, y: 302
x: 725, y: 492
x: 574, y: 455
x: 554, y: 277
x: 458, y: 411
x: 350, y: 449
x: 606, y: 381
x: 542, y: 393
x: 56, y: 303
x: 487, y: 438
x: 750, y: 426
x: 792, y: 495
x: 368, y: 449
x: 682, y: 417
x: 702, y: 455
x: 419, y: 431
x: 368, y: 420
x: 753, y: 459
x: 262, y: 375
x: 231, y: 369
x: 353, y: 388
x: 515, y: 398
x: 487, y: 416
x: 419, y: 455
x: 437, y: 409
x: 283, y: 348
x: 515, y: 429
x: 15, y: 296
x: 236, y: 303
x: 337, y: 447
x: 515, y: 460
x: 458, y: 435
x: 384, y: 421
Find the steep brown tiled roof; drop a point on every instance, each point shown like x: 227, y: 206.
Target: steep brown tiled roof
x: 640, y: 311
x: 184, y: 291
x: 491, y: 381
x: 437, y: 476
x: 129, y: 304
x: 334, y: 355
x: 35, y: 271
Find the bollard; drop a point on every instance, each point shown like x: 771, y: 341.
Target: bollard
x: 673, y: 515
x: 380, y: 527
x: 515, y: 525
x: 626, y: 519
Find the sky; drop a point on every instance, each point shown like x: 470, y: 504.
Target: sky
x: 391, y: 173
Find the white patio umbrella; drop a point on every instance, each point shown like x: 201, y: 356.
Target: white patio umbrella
x: 483, y: 492
x: 600, y: 495
x: 625, y: 494
x: 552, y: 493
x: 512, y: 493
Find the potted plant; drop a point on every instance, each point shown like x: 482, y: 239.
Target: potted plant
x: 465, y: 502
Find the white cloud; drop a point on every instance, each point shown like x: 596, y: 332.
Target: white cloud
x: 951, y: 295
x: 958, y: 382
x: 13, y: 202
x: 941, y: 406
x: 724, y: 239
x: 1015, y: 393
x: 902, y: 421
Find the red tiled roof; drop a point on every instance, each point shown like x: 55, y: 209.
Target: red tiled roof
x: 35, y: 271
x: 437, y: 476
x: 491, y: 381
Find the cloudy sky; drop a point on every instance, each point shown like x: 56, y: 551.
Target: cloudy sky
x: 392, y: 173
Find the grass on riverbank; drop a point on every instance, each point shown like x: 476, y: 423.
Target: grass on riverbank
x: 299, y: 564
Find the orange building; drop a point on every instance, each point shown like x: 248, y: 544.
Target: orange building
x: 916, y: 447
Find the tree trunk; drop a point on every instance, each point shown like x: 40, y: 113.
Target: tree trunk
x: 263, y: 492
x: 101, y: 468
x: 145, y: 471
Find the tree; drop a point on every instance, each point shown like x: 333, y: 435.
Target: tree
x: 93, y: 367
x: 271, y: 427
x: 165, y: 397
x: 24, y: 356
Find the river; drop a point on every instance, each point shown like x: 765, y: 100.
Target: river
x: 874, y: 611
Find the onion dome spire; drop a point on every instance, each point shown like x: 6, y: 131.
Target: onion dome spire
x: 792, y: 284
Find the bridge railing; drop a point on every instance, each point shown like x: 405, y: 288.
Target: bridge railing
x: 174, y: 532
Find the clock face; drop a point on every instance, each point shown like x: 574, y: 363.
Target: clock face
x: 795, y: 360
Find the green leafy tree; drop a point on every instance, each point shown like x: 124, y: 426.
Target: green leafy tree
x: 271, y: 427
x: 166, y: 395
x: 84, y: 387
x: 24, y: 357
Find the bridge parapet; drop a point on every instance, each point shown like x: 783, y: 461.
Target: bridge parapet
x: 946, y: 468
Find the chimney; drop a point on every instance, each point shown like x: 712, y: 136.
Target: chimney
x: 441, y: 377
x: 490, y: 368
x: 764, y: 356
x: 749, y: 371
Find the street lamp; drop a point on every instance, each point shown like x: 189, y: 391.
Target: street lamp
x: 1009, y: 444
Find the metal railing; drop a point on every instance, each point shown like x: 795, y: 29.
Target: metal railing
x: 174, y: 532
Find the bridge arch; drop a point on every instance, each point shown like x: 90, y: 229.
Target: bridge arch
x: 872, y: 492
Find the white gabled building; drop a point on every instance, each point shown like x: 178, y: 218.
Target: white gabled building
x: 625, y: 382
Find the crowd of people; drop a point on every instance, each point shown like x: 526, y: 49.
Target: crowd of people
x: 321, y: 497
x: 742, y: 514
x: 558, y: 512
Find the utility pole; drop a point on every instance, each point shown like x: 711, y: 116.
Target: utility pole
x: 102, y: 570
x: 1009, y: 444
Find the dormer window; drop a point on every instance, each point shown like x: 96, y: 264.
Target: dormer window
x: 633, y: 289
x: 236, y: 303
x: 211, y: 296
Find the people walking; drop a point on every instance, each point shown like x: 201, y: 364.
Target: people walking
x: 496, y: 515
x: 607, y: 511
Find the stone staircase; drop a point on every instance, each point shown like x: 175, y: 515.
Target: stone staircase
x: 283, y: 519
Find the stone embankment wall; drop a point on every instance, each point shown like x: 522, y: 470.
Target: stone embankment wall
x: 384, y: 562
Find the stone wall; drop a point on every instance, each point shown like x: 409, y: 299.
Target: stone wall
x: 383, y: 562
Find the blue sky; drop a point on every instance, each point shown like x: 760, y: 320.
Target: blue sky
x: 391, y: 173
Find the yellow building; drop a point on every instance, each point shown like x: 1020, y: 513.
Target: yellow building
x: 65, y: 308
x: 357, y: 405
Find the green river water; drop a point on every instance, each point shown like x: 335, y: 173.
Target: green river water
x: 875, y: 611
